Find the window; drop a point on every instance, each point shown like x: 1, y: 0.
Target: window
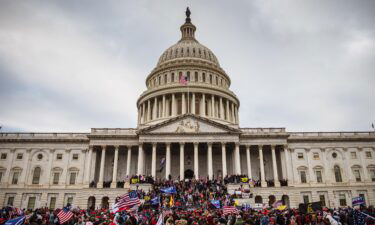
x: 300, y: 155
x: 1, y: 175
x: 357, y: 175
x: 204, y: 77
x: 19, y: 156
x: 368, y: 155
x: 172, y: 77
x: 36, y: 175
x: 338, y: 177
x: 56, y: 178
x: 316, y: 155
x: 40, y: 156
x: 52, y: 203
x: 3, y: 156
x: 72, y: 179
x: 353, y: 155
x: 10, y: 201
x: 322, y: 199
x: 303, y: 176
x: 196, y: 76
x: 70, y: 200
x: 75, y: 156
x: 342, y: 199
x: 334, y: 155
x: 59, y: 156
x: 31, y: 203
x: 362, y: 196
x: 16, y: 175
x: 372, y: 174
x: 319, y: 176
x: 305, y: 199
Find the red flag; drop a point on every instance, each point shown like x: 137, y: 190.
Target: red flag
x: 183, y: 80
x: 64, y: 215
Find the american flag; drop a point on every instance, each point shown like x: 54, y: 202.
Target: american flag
x: 64, y: 215
x: 230, y: 209
x: 359, y: 218
x: 127, y: 201
x: 183, y: 80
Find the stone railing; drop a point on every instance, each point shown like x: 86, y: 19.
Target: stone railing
x: 332, y: 134
x: 44, y: 135
x: 262, y: 130
x: 113, y: 131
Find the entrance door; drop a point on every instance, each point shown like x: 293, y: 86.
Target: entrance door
x: 189, y: 174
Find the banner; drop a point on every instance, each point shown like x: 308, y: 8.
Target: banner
x: 358, y: 201
x: 245, y: 195
x: 169, y: 190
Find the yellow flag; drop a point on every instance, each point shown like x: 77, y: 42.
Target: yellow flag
x: 281, y: 207
x: 171, y: 202
x: 236, y: 203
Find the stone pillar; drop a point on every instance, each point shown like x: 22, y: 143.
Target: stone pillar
x: 309, y: 167
x: 182, y: 162
x: 289, y: 173
x: 153, y: 161
x: 114, y: 173
x: 183, y: 103
x: 237, y: 158
x: 221, y: 109
x: 174, y: 108
x: 101, y: 172
x: 128, y: 162
x: 232, y: 109
x: 348, y: 169
x: 237, y: 117
x: 362, y: 160
x: 261, y: 162
x: 139, y: 115
x: 143, y: 112
x: 168, y: 160
x: 224, y: 159
x: 193, y: 103
x: 327, y: 168
x: 209, y: 160
x: 140, y: 159
x: 155, y: 109
x: 248, y: 160
x: 203, y: 111
x: 212, y: 106
x: 274, y: 166
x: 196, y: 160
x: 227, y: 110
x: 88, y: 165
x: 149, y: 110
x: 163, y: 108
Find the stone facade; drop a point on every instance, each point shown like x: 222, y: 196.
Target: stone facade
x: 188, y: 118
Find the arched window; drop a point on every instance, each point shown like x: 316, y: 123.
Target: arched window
x: 172, y: 77
x: 258, y: 199
x: 204, y: 78
x: 196, y: 76
x: 36, y: 175
x: 338, y: 176
x: 188, y: 76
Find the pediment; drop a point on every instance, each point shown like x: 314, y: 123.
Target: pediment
x: 189, y: 124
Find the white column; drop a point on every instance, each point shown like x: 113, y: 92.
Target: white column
x: 348, y: 169
x: 149, y: 110
x: 139, y: 115
x: 224, y: 159
x: 237, y: 158
x: 143, y: 112
x: 128, y: 162
x: 114, y: 173
x: 309, y: 167
x: 227, y: 110
x: 155, y: 109
x: 289, y: 173
x: 362, y: 160
x: 140, y: 160
x: 232, y: 109
x: 88, y: 165
x: 196, y: 160
x: 209, y: 160
x: 262, y: 174
x: 153, y: 161
x: 101, y: 172
x: 193, y: 103
x: 221, y: 109
x: 168, y: 160
x: 163, y: 108
x: 183, y: 109
x: 203, y: 111
x: 212, y: 106
x: 274, y: 165
x: 174, y: 105
x: 248, y: 159
x: 327, y: 168
x: 182, y: 162
x: 237, y: 117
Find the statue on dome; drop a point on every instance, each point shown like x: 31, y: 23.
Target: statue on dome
x: 187, y: 13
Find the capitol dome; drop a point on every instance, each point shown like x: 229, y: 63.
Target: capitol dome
x: 188, y: 79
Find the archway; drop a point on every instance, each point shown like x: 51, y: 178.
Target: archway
x: 258, y: 199
x: 271, y: 200
x: 285, y: 200
x: 105, y: 202
x: 91, y: 203
x: 189, y: 174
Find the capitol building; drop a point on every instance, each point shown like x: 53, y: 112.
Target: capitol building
x: 188, y: 117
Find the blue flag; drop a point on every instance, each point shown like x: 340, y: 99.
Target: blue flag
x: 155, y: 201
x: 16, y: 221
x: 216, y: 203
x: 358, y: 201
x: 169, y: 190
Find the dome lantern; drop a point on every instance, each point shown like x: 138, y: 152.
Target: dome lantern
x: 187, y: 29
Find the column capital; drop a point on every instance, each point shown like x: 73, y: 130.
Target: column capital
x: 12, y: 150
x: 223, y: 144
x: 52, y: 150
x: 116, y: 147
x: 307, y: 149
x: 237, y: 144
x: 129, y: 147
x: 182, y: 143
x: 247, y: 146
x: 360, y: 149
x: 209, y: 143
x: 260, y: 147
x: 273, y: 147
x: 195, y: 143
x: 103, y: 147
x: 154, y: 144
x: 345, y: 149
x: 167, y: 144
x: 91, y: 147
x: 68, y: 150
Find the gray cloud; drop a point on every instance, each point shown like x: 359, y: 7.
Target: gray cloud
x: 73, y: 65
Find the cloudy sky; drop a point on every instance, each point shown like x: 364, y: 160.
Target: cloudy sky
x: 71, y: 65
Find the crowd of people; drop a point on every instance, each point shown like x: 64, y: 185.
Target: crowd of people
x: 193, y: 202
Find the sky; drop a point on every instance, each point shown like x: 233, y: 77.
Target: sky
x: 69, y: 66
